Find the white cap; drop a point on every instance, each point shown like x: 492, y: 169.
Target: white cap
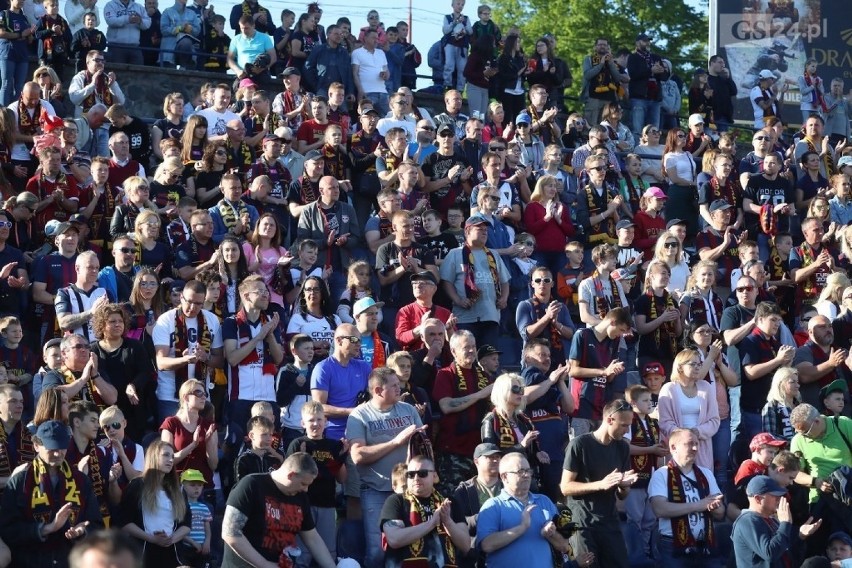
x: 766, y: 74
x: 696, y: 119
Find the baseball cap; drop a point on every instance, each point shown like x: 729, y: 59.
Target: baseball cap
x: 844, y: 161
x: 487, y: 350
x: 643, y: 37
x: 247, y: 83
x: 838, y: 385
x: 696, y: 119
x: 842, y: 537
x: 60, y: 228
x: 424, y: 275
x: 655, y: 192
x: 673, y: 222
x: 192, y: 475
x: 271, y: 137
x: 369, y: 110
x: 523, y: 118
x: 365, y: 304
x: 765, y: 439
x: 291, y: 71
x: 476, y: 220
x: 766, y: 74
x: 700, y: 71
x: 444, y: 127
x: 314, y: 155
x: 55, y: 342
x: 764, y: 485
x: 485, y: 450
x: 54, y: 435
x: 624, y: 224
x: 653, y: 368
x: 719, y: 205
x: 78, y: 218
x: 176, y: 285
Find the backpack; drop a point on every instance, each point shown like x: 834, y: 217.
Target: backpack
x: 671, y: 97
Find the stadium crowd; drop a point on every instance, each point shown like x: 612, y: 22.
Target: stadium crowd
x: 323, y: 326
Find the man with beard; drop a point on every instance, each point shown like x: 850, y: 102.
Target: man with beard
x: 52, y: 272
x: 253, y: 350
x: 600, y: 81
x: 811, y: 263
x: 418, y: 523
x: 818, y: 362
x: 686, y: 500
x: 595, y: 473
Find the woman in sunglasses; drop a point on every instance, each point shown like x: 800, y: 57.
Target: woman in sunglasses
x: 136, y: 191
x: 669, y: 250
x: 313, y: 315
x: 126, y: 362
x: 715, y: 370
x: 167, y: 187
x: 680, y: 170
x: 193, y: 437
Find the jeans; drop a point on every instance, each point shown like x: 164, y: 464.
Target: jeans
x: 642, y: 112
x: 637, y: 507
x: 372, y: 502
x: 721, y: 447
x: 129, y: 54
x: 592, y: 110
x: 13, y: 75
x: 325, y: 519
x: 455, y: 58
x: 669, y: 560
x: 166, y: 408
x: 380, y: 102
x: 477, y: 100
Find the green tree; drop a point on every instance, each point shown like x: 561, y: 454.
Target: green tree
x: 680, y: 31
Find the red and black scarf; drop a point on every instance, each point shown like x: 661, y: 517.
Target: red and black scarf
x: 29, y: 125
x: 205, y: 340
x: 540, y: 311
x: 471, y: 290
x: 101, y: 92
x: 645, y: 435
x: 681, y: 531
x: 244, y: 335
x: 23, y: 447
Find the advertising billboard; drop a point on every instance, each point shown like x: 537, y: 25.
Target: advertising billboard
x: 753, y: 35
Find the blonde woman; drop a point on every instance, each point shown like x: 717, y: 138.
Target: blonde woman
x: 357, y: 286
x: 657, y: 317
x: 830, y: 299
x: 150, y: 251
x: 783, y: 396
x: 136, y: 192
x: 689, y: 402
x: 506, y: 425
x: 155, y: 509
x: 171, y: 125
x: 193, y: 437
x: 669, y: 250
x: 649, y: 145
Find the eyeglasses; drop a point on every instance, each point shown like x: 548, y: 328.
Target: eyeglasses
x: 148, y: 284
x: 81, y: 347
x: 421, y: 473
x: 517, y: 389
x: 98, y: 60
x: 745, y: 288
x: 125, y: 250
x: 498, y: 149
x: 351, y: 338
x: 807, y: 433
x: 190, y: 302
x: 542, y: 280
x: 427, y: 128
x: 311, y: 290
x: 5, y: 224
x: 199, y: 393
x: 653, y: 132
x: 286, y: 140
x: 761, y: 138
x: 526, y: 472
x: 670, y: 245
x: 112, y: 426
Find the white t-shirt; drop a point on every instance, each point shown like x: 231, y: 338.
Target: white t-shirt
x: 690, y: 408
x: 317, y: 328
x: 659, y: 487
x: 19, y: 150
x: 369, y: 67
x: 162, y: 519
x: 164, y: 335
x: 754, y: 94
x: 217, y: 121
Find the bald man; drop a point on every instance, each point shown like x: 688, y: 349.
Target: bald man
x: 817, y: 361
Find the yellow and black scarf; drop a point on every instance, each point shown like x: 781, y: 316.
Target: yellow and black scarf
x: 482, y: 379
x: 603, y: 82
x: 667, y: 329
x: 231, y: 212
x: 471, y: 290
x: 540, y: 311
x: 44, y: 499
x: 604, y: 231
x: 827, y: 159
x: 417, y: 514
x: 89, y: 393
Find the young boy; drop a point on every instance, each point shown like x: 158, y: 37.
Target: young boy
x: 833, y: 398
x: 281, y: 38
x: 457, y: 31
x: 178, y: 230
x: 197, y: 542
x: 213, y: 281
x: 293, y: 387
x: 455, y: 220
x: 86, y: 39
x: 569, y: 277
x: 54, y: 35
x: 217, y: 44
x: 763, y: 447
x: 747, y: 251
x: 436, y: 241
x: 259, y: 457
x: 653, y: 377
x: 329, y: 456
x: 395, y: 55
x: 839, y: 549
x: 646, y: 447
x: 307, y: 265
x: 398, y: 478
x: 265, y: 409
x: 628, y: 258
x: 778, y: 276
x: 486, y: 26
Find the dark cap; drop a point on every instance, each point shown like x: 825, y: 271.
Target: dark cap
x: 719, y: 205
x: 476, y: 219
x: 486, y: 350
x: 79, y: 219
x: 63, y: 228
x: 424, y: 275
x: 839, y: 535
x: 764, y: 485
x: 55, y: 342
x: 291, y: 71
x: 674, y: 222
x: 643, y: 37
x: 624, y: 224
x: 444, y: 127
x: 700, y: 71
x: 54, y: 435
x: 314, y: 155
x: 176, y: 285
x: 485, y: 450
x: 369, y: 110
x: 271, y: 137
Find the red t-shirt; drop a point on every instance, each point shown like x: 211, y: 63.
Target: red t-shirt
x: 459, y: 432
x: 311, y: 131
x: 182, y: 438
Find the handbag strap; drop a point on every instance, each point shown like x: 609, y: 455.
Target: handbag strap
x: 845, y: 439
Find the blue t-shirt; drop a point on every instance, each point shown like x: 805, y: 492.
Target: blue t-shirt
x: 342, y: 385
x: 13, y: 49
x: 502, y: 512
x: 200, y: 515
x: 247, y: 49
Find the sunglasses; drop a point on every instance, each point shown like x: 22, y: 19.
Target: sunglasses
x: 598, y: 169
x: 427, y: 128
x: 745, y: 289
x: 112, y: 426
x: 494, y: 198
x: 5, y: 224
x: 498, y: 149
x: 351, y: 338
x: 286, y: 140
x: 761, y: 138
x: 670, y: 245
x: 126, y: 250
x: 517, y: 389
x: 199, y: 394
x: 542, y: 280
x: 447, y: 134
x: 421, y: 473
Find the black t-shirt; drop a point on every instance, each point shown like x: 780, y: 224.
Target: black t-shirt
x: 398, y: 508
x: 437, y: 166
x: 660, y: 348
x: 274, y: 519
x: 209, y: 180
x: 732, y: 318
x: 592, y: 461
x: 400, y: 292
x: 762, y: 191
x: 328, y: 455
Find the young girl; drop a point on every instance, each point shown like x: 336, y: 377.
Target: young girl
x: 156, y: 509
x: 358, y: 285
x: 402, y: 362
x: 657, y: 317
x: 632, y: 186
x: 648, y: 221
x: 21, y: 362
x: 194, y: 139
x: 232, y: 268
x: 265, y: 255
x: 701, y: 304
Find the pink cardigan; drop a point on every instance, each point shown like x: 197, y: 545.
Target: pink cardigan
x: 708, y: 418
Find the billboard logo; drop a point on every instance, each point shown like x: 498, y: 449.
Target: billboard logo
x: 740, y: 27
x: 846, y: 35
